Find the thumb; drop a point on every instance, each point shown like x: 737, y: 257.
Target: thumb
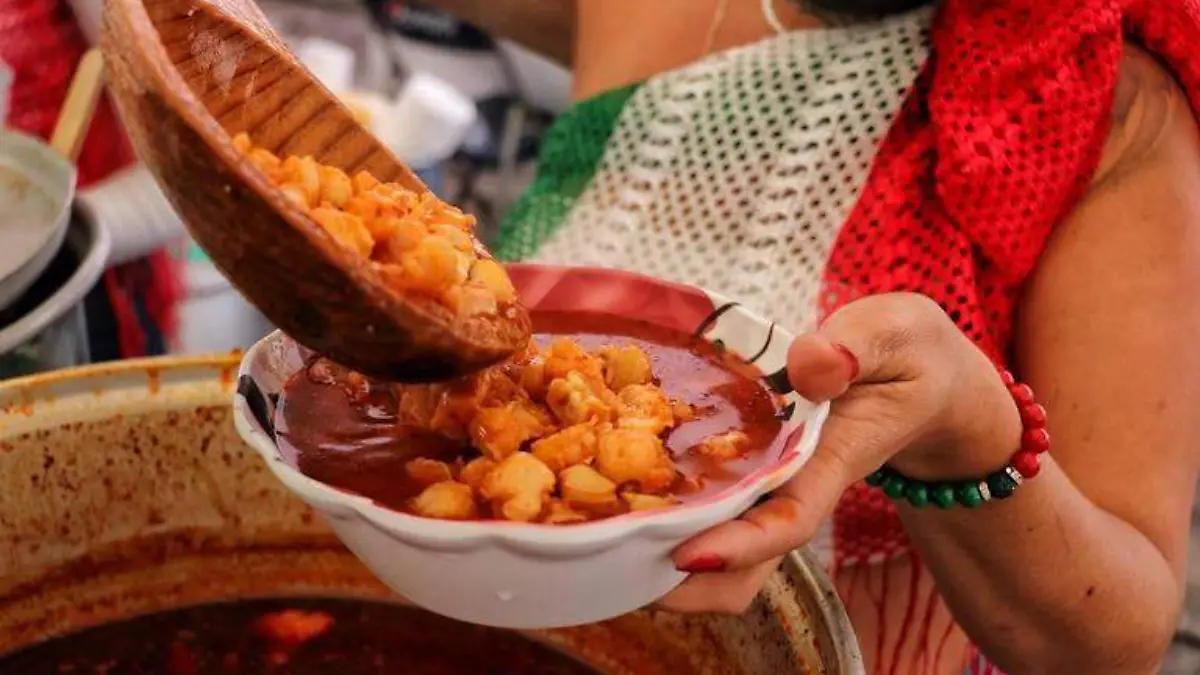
x: 820, y: 369
x: 870, y: 341
x: 877, y: 340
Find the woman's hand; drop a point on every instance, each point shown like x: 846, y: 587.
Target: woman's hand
x: 908, y: 388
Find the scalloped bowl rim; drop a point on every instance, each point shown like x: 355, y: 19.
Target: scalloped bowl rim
x: 667, y: 523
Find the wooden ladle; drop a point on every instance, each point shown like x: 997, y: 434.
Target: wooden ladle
x: 188, y: 75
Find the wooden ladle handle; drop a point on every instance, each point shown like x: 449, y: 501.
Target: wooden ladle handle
x: 76, y: 115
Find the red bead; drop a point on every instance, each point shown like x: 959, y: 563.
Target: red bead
x: 1035, y: 440
x: 1007, y: 378
x: 1033, y: 416
x: 1027, y: 463
x: 1022, y: 394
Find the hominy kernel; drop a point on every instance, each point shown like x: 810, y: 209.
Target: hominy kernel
x: 416, y: 242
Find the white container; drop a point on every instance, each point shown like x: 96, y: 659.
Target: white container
x: 478, y: 75
x: 540, y: 82
x: 330, y: 62
x: 527, y: 575
x: 374, y: 110
x: 429, y: 120
x: 214, y: 317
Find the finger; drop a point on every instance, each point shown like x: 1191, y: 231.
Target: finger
x: 820, y: 369
x: 787, y: 521
x: 725, y: 592
x: 876, y: 339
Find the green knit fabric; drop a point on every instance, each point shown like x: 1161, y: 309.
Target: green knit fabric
x: 571, y: 152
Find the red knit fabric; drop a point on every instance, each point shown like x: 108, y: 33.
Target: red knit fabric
x: 996, y: 145
x: 41, y: 42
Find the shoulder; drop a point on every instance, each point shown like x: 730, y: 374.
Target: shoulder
x: 1153, y: 124
x: 1132, y: 244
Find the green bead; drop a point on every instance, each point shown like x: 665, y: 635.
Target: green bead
x: 1001, y: 485
x: 944, y: 496
x: 876, y: 479
x: 970, y: 496
x: 917, y: 494
x: 894, y: 486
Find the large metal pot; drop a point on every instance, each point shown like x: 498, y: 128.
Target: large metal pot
x: 46, y: 329
x: 124, y: 489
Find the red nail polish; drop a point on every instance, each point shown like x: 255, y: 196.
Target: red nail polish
x: 703, y: 563
x: 851, y: 359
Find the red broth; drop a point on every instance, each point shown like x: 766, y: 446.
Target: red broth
x: 255, y: 637
x: 361, y: 448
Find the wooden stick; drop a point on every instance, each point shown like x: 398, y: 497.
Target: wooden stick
x: 76, y: 115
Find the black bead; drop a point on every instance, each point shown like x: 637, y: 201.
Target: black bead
x: 1001, y: 485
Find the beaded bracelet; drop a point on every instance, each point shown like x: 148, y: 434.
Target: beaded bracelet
x: 1025, y: 464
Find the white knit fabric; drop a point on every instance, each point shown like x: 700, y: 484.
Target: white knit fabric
x: 737, y: 172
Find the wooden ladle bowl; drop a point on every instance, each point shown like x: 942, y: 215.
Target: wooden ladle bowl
x: 187, y: 76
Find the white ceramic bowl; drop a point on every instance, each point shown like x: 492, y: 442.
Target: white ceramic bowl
x: 523, y: 575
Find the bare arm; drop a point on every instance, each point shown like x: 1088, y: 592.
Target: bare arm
x: 1083, y: 570
x: 544, y: 26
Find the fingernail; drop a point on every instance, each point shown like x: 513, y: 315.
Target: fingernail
x: 851, y: 359
x: 703, y: 563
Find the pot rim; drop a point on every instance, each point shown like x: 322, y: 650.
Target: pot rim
x: 91, y: 371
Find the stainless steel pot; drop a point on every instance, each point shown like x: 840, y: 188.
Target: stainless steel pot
x: 124, y: 489
x: 36, y: 188
x: 45, y: 328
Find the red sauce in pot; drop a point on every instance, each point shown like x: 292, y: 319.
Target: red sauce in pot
x: 291, y: 637
x: 356, y: 443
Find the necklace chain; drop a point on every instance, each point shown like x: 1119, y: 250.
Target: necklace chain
x: 768, y: 11
x: 718, y: 18
x: 721, y: 10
